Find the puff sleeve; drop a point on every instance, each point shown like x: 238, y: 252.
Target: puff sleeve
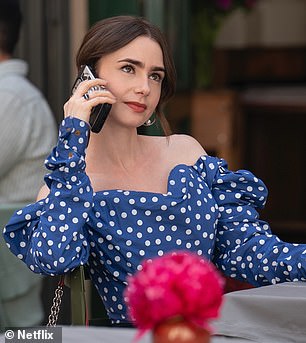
x: 245, y: 246
x: 49, y: 235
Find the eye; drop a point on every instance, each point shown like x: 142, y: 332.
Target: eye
x: 128, y: 68
x: 156, y: 77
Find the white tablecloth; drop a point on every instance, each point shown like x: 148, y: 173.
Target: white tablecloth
x: 77, y: 334
x: 122, y: 335
x: 271, y: 314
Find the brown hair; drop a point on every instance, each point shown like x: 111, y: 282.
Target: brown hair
x: 111, y: 34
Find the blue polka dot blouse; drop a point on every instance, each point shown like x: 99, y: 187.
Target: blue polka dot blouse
x: 207, y: 209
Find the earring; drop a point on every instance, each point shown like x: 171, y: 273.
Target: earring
x: 149, y: 122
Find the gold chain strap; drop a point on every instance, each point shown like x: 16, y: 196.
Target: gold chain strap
x: 56, y: 303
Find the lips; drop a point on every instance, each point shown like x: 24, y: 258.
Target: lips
x: 136, y: 106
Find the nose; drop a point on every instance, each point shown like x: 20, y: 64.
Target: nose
x: 142, y: 86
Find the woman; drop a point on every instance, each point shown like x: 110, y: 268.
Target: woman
x: 115, y: 198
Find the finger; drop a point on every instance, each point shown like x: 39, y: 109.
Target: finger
x: 86, y: 96
x: 98, y: 91
x: 84, y: 86
x: 77, y: 107
x: 101, y: 100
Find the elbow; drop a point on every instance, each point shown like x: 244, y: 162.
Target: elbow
x: 48, y: 263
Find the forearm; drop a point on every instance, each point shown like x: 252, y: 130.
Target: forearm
x: 260, y: 257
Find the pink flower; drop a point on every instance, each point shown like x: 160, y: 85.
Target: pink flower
x: 177, y: 284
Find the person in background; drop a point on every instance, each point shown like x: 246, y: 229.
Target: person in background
x: 28, y: 132
x: 115, y: 198
x: 28, y: 128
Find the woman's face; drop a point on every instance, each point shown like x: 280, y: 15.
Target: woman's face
x: 134, y: 76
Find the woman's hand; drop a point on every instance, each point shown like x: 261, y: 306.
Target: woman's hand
x: 88, y: 94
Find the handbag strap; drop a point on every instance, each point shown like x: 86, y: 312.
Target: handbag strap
x: 56, y: 303
x: 76, y: 281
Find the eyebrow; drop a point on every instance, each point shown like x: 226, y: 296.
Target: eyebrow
x: 141, y: 64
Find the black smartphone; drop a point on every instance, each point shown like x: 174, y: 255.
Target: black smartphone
x: 98, y: 113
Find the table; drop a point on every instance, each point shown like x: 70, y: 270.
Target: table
x: 270, y: 314
x: 78, y: 334
x: 273, y: 314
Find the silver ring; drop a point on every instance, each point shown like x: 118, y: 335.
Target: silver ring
x: 86, y: 96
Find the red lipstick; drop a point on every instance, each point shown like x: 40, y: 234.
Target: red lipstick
x: 136, y: 106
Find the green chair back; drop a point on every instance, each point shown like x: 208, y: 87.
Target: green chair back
x: 76, y: 281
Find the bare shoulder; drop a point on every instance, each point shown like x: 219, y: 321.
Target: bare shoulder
x: 175, y: 149
x: 185, y: 149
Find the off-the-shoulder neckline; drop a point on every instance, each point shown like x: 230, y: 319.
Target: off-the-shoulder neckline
x: 169, y: 193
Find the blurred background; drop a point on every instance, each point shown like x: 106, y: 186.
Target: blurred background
x: 241, y: 81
